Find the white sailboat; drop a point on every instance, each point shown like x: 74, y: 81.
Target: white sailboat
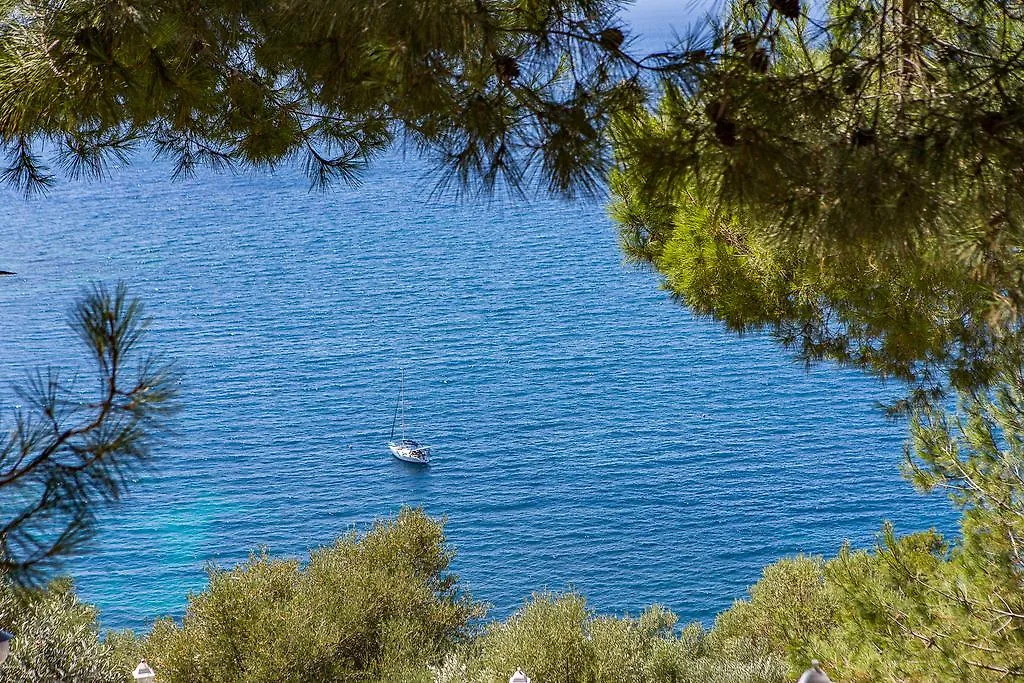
x: 403, y: 448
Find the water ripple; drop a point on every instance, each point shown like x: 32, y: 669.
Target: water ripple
x: 588, y: 431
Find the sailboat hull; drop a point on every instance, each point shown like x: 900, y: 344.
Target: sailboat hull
x: 410, y: 451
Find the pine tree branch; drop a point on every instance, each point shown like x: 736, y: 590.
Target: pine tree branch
x: 61, y: 474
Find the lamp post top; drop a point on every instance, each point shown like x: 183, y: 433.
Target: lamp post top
x: 144, y: 673
x: 814, y: 674
x: 5, y: 645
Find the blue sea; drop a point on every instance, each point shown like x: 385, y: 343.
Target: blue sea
x: 588, y: 431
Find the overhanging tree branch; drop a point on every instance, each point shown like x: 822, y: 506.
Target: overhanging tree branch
x: 66, y: 456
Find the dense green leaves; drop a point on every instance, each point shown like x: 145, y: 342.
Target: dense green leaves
x: 788, y: 608
x: 375, y: 607
x: 382, y: 607
x: 57, y: 639
x: 496, y: 91
x: 558, y: 639
x: 922, y: 320
x: 850, y: 183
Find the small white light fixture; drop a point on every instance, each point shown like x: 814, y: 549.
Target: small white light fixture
x: 5, y: 645
x: 814, y: 674
x: 144, y: 673
x: 519, y: 677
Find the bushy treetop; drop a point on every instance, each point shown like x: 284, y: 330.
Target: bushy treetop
x: 493, y: 90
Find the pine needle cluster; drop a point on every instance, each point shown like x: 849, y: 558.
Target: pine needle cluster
x: 498, y: 92
x: 68, y: 454
x: 847, y: 177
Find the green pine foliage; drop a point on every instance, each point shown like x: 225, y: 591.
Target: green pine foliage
x: 920, y: 320
x: 497, y: 92
x: 847, y: 177
x: 67, y: 453
x: 924, y: 608
x: 963, y: 611
x: 849, y: 182
x: 872, y: 124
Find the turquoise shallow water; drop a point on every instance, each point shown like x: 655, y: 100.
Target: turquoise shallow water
x: 588, y: 431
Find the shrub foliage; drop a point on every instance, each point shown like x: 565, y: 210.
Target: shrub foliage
x: 376, y: 606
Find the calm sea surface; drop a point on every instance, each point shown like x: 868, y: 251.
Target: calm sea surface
x: 588, y: 432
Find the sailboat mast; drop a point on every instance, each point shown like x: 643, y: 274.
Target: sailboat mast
x: 401, y: 395
x: 398, y: 403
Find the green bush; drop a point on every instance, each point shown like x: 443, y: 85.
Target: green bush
x: 547, y: 638
x: 557, y: 639
x: 57, y: 639
x: 375, y: 607
x: 790, y: 609
x: 382, y: 606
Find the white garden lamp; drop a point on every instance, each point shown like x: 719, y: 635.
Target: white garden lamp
x: 519, y: 677
x: 5, y: 645
x: 144, y: 673
x: 814, y: 674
